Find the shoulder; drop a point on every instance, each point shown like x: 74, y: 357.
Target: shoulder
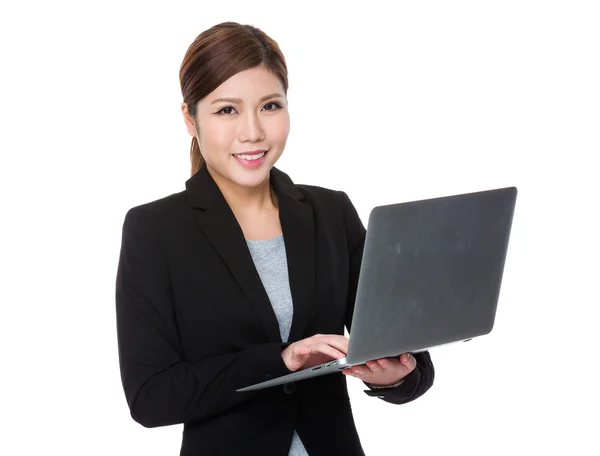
x: 164, y: 208
x: 331, y: 199
x: 335, y: 201
x: 335, y: 206
x: 315, y: 195
x: 322, y: 194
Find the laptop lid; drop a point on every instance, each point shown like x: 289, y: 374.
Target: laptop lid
x: 431, y: 273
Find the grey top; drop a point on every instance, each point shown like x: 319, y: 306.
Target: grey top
x: 270, y: 259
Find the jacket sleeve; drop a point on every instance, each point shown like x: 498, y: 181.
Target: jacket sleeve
x: 419, y: 380
x: 161, y: 386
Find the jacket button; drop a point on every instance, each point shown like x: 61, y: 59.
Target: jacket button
x: 268, y: 376
x: 289, y: 388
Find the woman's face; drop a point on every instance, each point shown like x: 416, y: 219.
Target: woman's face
x: 247, y: 114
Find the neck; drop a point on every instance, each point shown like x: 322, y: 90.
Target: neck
x: 247, y: 199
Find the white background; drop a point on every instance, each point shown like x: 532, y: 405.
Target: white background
x: 389, y: 102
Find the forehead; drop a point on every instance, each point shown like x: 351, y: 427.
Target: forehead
x: 250, y: 84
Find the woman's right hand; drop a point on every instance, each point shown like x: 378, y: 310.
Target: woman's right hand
x: 314, y: 350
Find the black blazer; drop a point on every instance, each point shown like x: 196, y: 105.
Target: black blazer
x: 194, y: 322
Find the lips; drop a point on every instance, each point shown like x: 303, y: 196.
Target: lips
x: 251, y: 159
x: 251, y: 152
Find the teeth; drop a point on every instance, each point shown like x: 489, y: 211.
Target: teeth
x: 251, y: 157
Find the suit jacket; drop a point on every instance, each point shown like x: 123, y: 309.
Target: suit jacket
x: 194, y: 322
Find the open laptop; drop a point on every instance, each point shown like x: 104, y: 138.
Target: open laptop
x: 430, y: 275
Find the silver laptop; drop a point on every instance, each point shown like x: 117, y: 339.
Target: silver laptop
x: 430, y: 275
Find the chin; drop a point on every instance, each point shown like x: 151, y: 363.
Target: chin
x: 250, y: 178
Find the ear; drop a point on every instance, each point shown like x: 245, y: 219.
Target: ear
x: 190, y: 122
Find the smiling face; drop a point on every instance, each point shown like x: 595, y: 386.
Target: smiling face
x: 242, y: 127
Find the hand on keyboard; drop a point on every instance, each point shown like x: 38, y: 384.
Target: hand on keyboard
x: 314, y: 350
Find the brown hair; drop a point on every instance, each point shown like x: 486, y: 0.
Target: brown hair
x: 219, y: 53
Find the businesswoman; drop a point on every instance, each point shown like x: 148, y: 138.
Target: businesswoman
x: 245, y: 276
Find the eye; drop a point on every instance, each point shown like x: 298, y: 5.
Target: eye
x: 271, y: 106
x: 226, y: 110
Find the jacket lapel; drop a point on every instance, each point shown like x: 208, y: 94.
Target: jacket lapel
x: 297, y: 223
x: 218, y: 223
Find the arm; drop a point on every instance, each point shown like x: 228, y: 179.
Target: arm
x: 421, y: 378
x: 160, y: 386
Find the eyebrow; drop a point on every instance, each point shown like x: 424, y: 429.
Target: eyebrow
x: 239, y: 101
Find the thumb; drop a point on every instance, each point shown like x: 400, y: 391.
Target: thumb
x: 298, y: 357
x: 298, y: 353
x: 301, y: 351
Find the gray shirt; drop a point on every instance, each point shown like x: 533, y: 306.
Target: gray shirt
x: 271, y: 263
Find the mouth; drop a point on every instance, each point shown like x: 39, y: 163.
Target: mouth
x: 251, y: 155
x: 251, y: 159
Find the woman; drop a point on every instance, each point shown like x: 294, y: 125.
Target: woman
x: 245, y: 276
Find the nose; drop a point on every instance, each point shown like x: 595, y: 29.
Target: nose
x: 250, y: 128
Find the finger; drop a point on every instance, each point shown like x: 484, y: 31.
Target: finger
x: 328, y: 350
x: 374, y: 366
x: 300, y: 352
x: 408, y: 360
x: 387, y: 363
x: 334, y: 340
x: 361, y: 370
x: 340, y: 343
x: 303, y: 350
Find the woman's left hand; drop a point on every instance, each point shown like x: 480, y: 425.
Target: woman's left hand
x: 384, y: 371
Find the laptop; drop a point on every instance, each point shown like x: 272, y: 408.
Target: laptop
x: 430, y: 276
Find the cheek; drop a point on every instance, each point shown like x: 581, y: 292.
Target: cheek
x: 216, y: 136
x: 279, y: 129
